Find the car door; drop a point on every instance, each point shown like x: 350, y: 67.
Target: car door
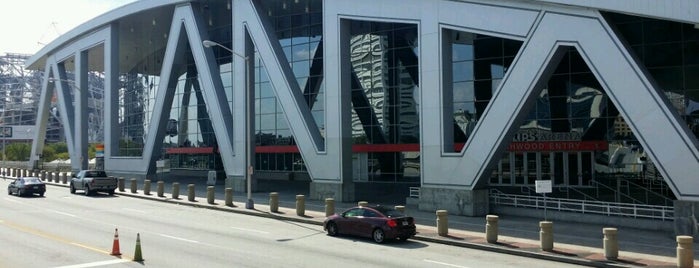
x: 368, y: 221
x: 347, y: 225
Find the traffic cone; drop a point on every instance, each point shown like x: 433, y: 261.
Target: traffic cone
x: 137, y: 255
x: 115, y: 245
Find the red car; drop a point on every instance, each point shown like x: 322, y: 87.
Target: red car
x: 376, y: 222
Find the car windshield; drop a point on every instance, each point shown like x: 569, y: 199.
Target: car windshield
x: 32, y: 180
x: 389, y: 212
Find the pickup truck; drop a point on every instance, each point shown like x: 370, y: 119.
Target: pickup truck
x: 92, y: 181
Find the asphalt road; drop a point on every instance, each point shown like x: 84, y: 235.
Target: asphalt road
x: 64, y: 230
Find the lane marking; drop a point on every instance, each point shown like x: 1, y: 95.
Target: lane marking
x: 135, y: 210
x: 444, y: 263
x: 63, y: 213
x: 250, y: 230
x: 179, y: 238
x: 95, y: 264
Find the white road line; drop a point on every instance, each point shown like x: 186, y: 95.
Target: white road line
x: 135, y: 210
x: 445, y: 264
x: 95, y: 264
x: 179, y: 238
x: 250, y: 230
x: 63, y: 213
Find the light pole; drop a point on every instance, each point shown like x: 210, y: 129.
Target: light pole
x: 249, y: 204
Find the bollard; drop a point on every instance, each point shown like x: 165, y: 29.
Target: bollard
x: 175, y: 190
x: 442, y: 223
x: 329, y: 206
x: 546, y: 235
x: 491, y: 228
x: 362, y: 203
x: 43, y: 175
x: 210, y: 194
x: 274, y: 202
x: 685, y: 252
x: 64, y: 178
x: 190, y: 192
x: 400, y: 208
x: 146, y: 187
x: 134, y: 186
x: 121, y: 182
x: 49, y: 176
x: 161, y: 188
x: 300, y: 205
x: 610, y: 243
x: 229, y: 197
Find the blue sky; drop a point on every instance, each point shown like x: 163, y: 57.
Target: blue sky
x: 27, y: 25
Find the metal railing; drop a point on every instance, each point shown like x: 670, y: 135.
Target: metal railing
x: 664, y: 213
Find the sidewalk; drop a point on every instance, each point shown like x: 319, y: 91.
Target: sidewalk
x: 574, y: 243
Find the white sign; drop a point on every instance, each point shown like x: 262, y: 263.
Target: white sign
x: 543, y: 186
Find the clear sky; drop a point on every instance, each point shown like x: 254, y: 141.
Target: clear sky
x: 27, y: 25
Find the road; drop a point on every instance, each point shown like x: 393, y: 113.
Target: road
x: 64, y: 230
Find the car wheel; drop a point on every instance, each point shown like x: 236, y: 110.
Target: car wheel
x: 332, y: 229
x: 20, y: 193
x: 403, y: 238
x: 378, y: 235
x: 41, y: 194
x: 72, y: 189
x: 9, y: 192
x: 87, y: 190
x: 111, y: 192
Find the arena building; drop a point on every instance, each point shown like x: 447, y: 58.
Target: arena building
x: 457, y: 105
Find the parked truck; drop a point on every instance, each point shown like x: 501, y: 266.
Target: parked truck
x: 92, y: 181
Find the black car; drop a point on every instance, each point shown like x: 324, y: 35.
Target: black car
x: 376, y: 222
x: 26, y: 186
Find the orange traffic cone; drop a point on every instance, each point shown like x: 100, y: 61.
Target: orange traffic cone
x: 115, y: 245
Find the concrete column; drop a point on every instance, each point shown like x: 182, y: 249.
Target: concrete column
x: 121, y: 184
x: 362, y: 203
x: 491, y: 228
x: 229, y: 196
x: 210, y: 194
x: 146, y: 187
x: 134, y: 186
x: 274, y: 202
x: 175, y: 190
x: 161, y: 188
x: 329, y: 206
x: 400, y: 208
x: 685, y: 252
x: 546, y: 235
x: 300, y: 205
x: 442, y: 222
x: 611, y: 244
x: 190, y: 192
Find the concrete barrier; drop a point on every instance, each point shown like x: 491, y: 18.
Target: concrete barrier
x: 146, y: 187
x: 362, y: 203
x: 442, y: 222
x: 329, y: 206
x: 685, y: 251
x: 175, y: 190
x: 210, y: 194
x: 400, y: 208
x: 274, y: 202
x: 161, y: 189
x: 491, y: 228
x: 134, y: 186
x: 190, y: 193
x: 300, y: 205
x: 546, y: 235
x: 610, y: 243
x: 229, y: 196
x: 121, y: 182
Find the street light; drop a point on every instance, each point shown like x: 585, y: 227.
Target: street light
x: 249, y: 204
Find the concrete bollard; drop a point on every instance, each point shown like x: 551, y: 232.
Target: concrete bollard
x: 300, y: 205
x: 329, y: 206
x: 210, y: 194
x: 442, y: 222
x: 685, y: 252
x: 121, y: 182
x: 229, y: 196
x: 362, y: 203
x: 161, y: 189
x: 610, y: 243
x: 175, y: 190
x: 400, y: 208
x: 491, y: 228
x: 64, y: 178
x: 190, y: 193
x: 546, y: 235
x: 134, y: 186
x: 146, y: 187
x: 49, y: 176
x: 274, y: 202
x: 43, y: 175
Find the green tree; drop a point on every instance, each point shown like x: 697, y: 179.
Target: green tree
x: 17, y: 151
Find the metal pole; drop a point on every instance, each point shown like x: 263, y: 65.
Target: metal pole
x: 250, y: 204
